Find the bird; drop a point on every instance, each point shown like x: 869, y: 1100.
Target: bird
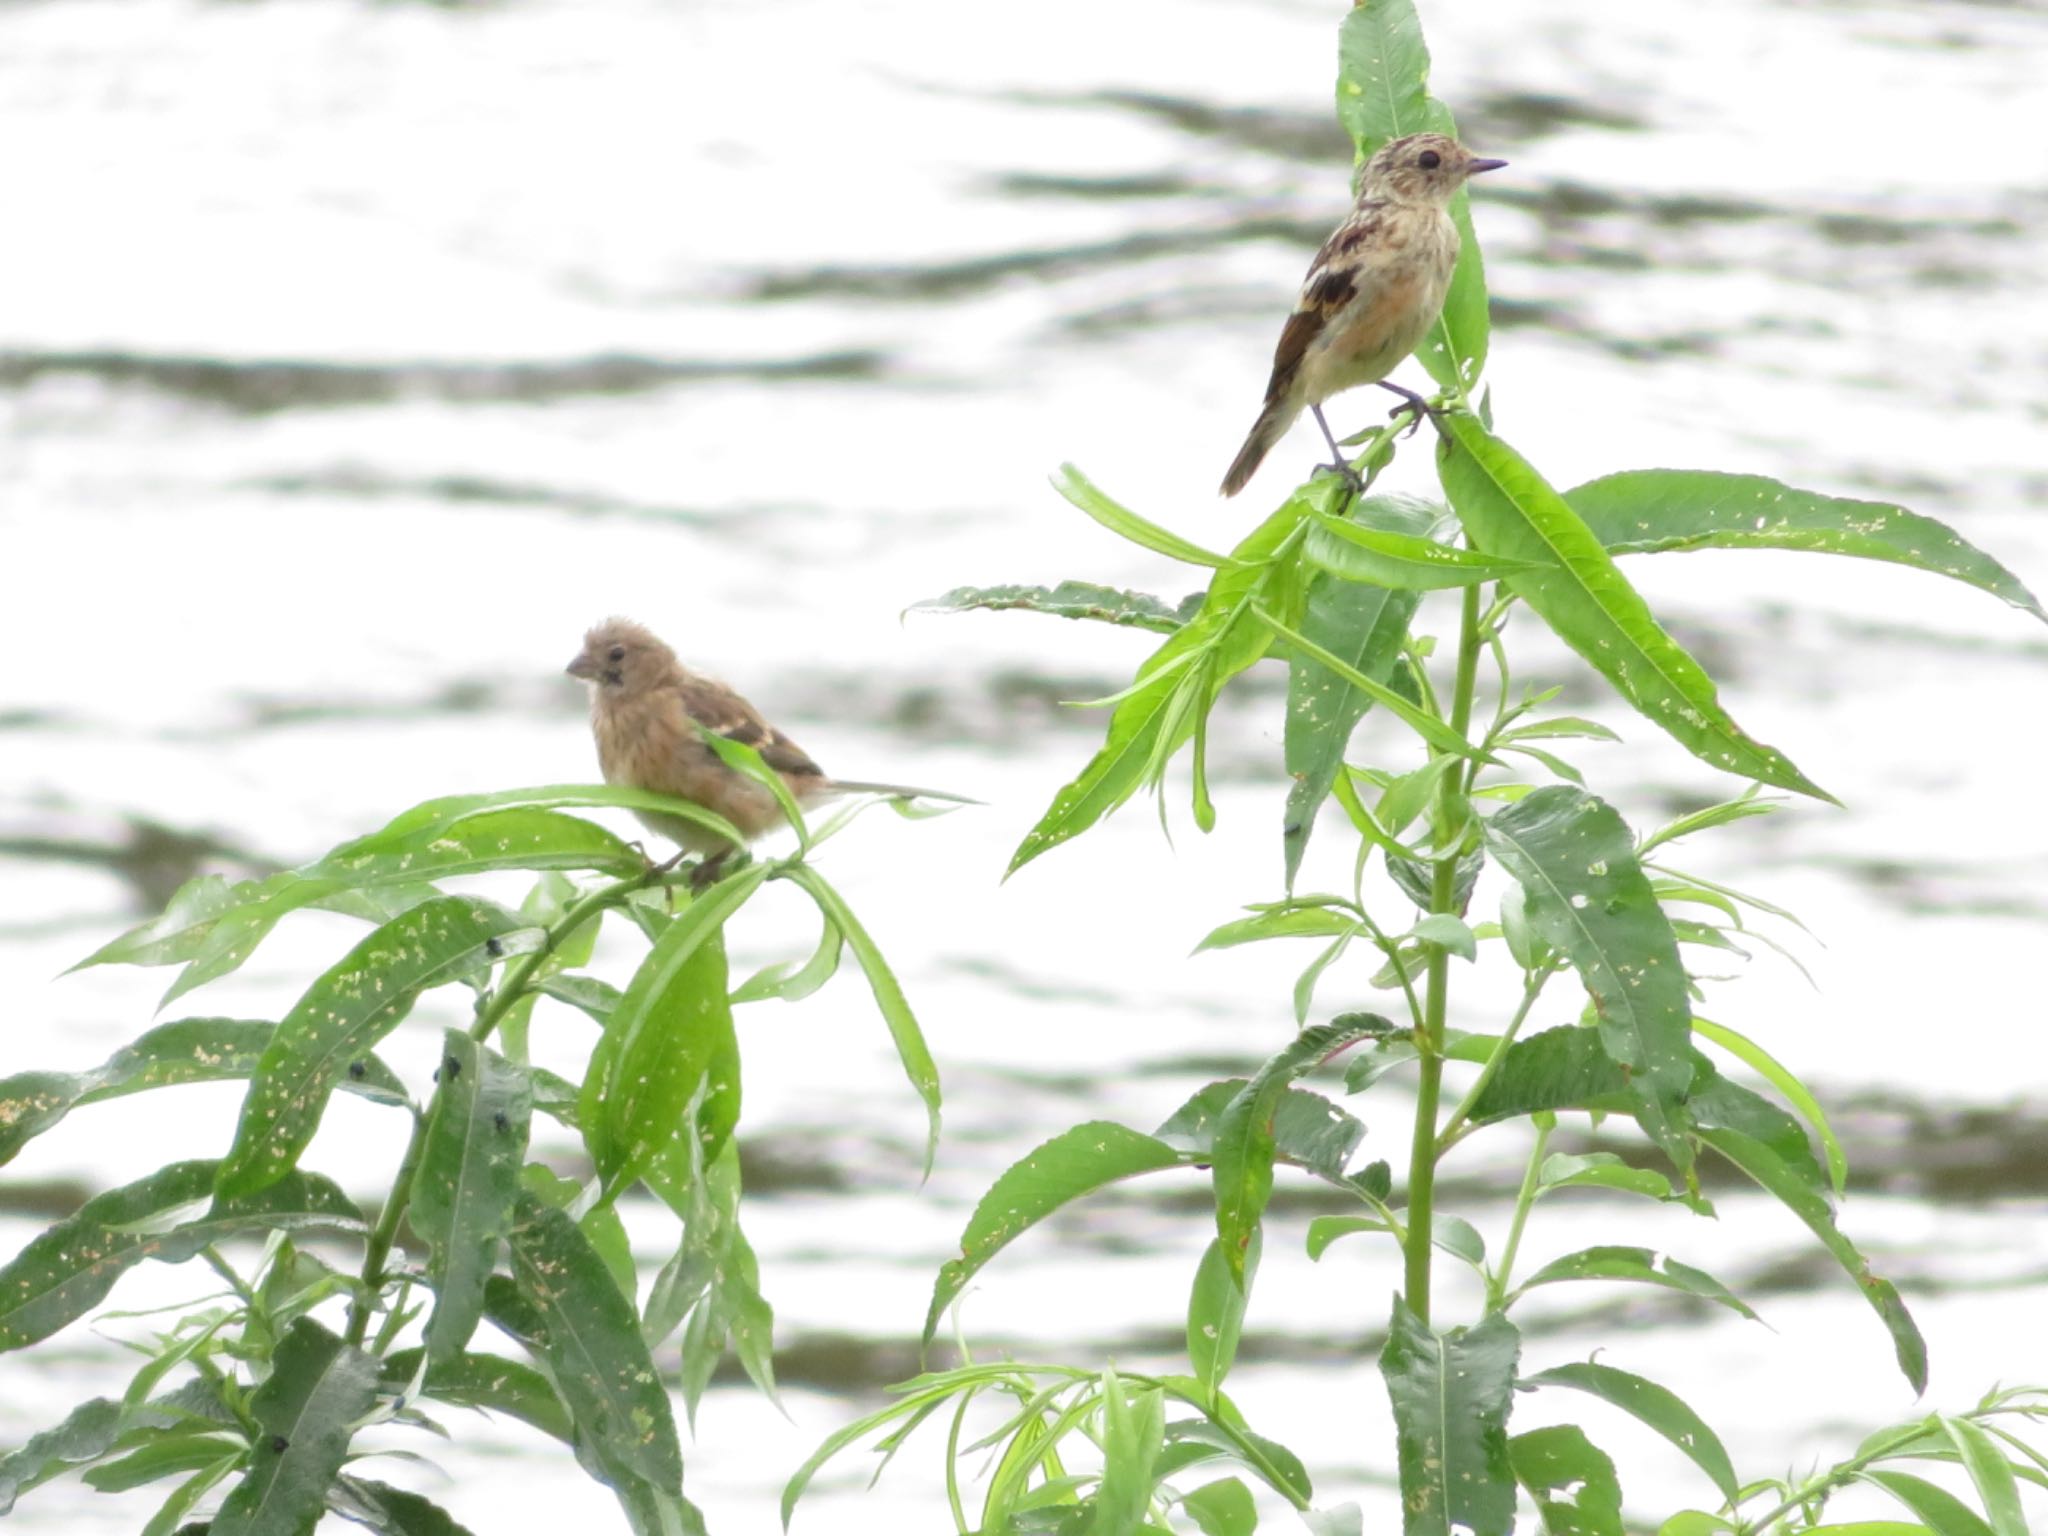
x: 1372, y: 292
x: 649, y: 714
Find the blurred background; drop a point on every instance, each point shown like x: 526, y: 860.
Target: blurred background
x: 356, y: 356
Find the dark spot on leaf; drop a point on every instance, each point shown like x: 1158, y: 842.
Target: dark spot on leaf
x: 357, y: 1071
x: 493, y: 947
x: 453, y: 1067
x: 279, y: 1444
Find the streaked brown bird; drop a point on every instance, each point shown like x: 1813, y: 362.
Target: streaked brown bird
x: 649, y: 714
x: 1372, y: 293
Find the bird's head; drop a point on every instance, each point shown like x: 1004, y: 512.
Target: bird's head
x: 1422, y: 168
x: 621, y: 654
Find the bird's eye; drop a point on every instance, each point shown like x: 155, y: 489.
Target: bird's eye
x: 616, y: 653
x: 1429, y: 159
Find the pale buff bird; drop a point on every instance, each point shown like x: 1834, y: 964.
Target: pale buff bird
x: 1372, y: 293
x: 649, y: 712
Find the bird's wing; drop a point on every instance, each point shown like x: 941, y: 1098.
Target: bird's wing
x: 1332, y: 282
x: 717, y: 708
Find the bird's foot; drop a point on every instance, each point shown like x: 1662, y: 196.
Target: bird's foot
x: 714, y: 869
x: 1412, y: 406
x: 1342, y: 470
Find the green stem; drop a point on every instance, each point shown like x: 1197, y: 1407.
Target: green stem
x: 1837, y: 1475
x: 1452, y: 813
x: 378, y: 1248
x: 1497, y: 1284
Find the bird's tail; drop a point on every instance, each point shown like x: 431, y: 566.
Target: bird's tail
x: 899, y: 792
x: 1271, y: 426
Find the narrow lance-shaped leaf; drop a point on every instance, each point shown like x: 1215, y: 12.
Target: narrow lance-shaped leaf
x: 1122, y: 521
x: 1656, y: 1406
x: 1242, y: 1156
x: 1508, y: 509
x: 183, y: 1051
x: 1074, y: 1163
x: 1452, y: 1393
x: 474, y: 1379
x: 1404, y: 562
x: 468, y: 1178
x: 902, y: 1024
x: 342, y: 1016
x: 1382, y: 94
x: 1153, y: 719
x: 669, y: 1030
x: 1658, y: 509
x: 1216, y: 1315
x: 1362, y: 626
x: 1799, y: 1196
x: 585, y: 1331
x: 87, y: 1433
x: 317, y: 1391
x: 1641, y: 1265
x: 1071, y: 600
x: 1575, y: 861
x: 66, y: 1271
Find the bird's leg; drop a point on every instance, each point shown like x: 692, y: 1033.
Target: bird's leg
x: 1337, y: 460
x: 1412, y: 405
x: 716, y: 868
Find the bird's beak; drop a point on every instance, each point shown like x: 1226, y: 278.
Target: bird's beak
x: 582, y: 667
x: 1483, y: 165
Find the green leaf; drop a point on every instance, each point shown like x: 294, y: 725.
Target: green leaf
x: 342, y: 1016
x: 318, y: 1390
x: 1641, y: 1265
x: 1452, y: 1393
x: 1508, y: 509
x: 1400, y: 561
x: 1076, y: 1162
x: 1133, y: 1434
x: 67, y: 1270
x: 1216, y: 1316
x: 170, y: 1515
x: 1382, y: 94
x: 1660, y: 509
x: 1449, y: 932
x: 1943, y: 1512
x: 164, y: 1454
x: 1288, y: 923
x: 1798, y: 1196
x: 1222, y: 1508
x: 1786, y: 1082
x: 1242, y: 1157
x: 902, y: 1024
x: 184, y: 1051
x: 468, y: 1178
x: 1156, y: 715
x: 1570, y: 1480
x: 1071, y: 600
x: 487, y: 1382
x: 586, y: 1334
x: 1658, y: 1407
x: 1364, y: 626
x: 1125, y: 523
x: 88, y: 1432
x: 1423, y: 723
x: 1454, y: 1235
x: 399, y: 1512
x: 1990, y: 1472
x: 1575, y: 860
x: 1561, y: 1068
x: 1600, y: 1170
x: 431, y: 818
x: 523, y: 837
x: 793, y: 981
x: 670, y: 1033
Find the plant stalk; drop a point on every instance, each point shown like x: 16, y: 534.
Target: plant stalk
x: 1452, y: 813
